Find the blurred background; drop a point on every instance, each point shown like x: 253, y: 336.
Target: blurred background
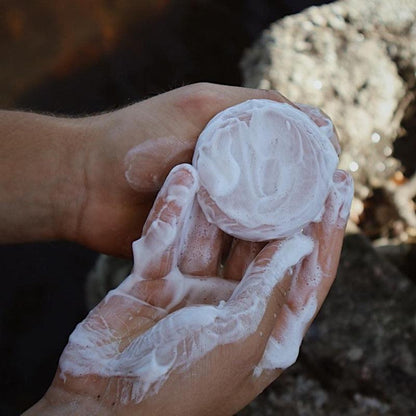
x: 84, y: 56
x: 77, y: 57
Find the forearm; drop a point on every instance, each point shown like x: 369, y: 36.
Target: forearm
x: 41, y: 169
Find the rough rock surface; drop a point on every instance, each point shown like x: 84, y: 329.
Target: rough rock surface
x: 356, y: 60
x: 358, y: 357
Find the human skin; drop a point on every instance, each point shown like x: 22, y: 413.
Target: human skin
x: 66, y: 179
x: 63, y: 178
x: 223, y: 379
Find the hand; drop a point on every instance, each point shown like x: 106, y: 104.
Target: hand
x: 170, y: 340
x: 93, y: 180
x: 127, y: 155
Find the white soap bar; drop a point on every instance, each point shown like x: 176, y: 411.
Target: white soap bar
x: 265, y: 169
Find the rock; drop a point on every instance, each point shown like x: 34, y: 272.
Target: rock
x: 356, y: 60
x: 358, y: 357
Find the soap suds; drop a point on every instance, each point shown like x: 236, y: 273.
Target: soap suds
x: 283, y: 352
x: 301, y: 305
x: 263, y: 171
x: 182, y: 337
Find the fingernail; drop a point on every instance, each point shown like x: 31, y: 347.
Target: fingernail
x: 183, y: 175
x: 341, y: 176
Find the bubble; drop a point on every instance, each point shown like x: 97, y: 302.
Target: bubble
x: 307, y: 25
x: 380, y: 166
x: 354, y: 166
x: 375, y: 137
x: 387, y: 151
x: 317, y: 84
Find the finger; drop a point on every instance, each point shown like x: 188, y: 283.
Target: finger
x: 242, y: 253
x: 312, y: 281
x: 156, y: 253
x: 203, y: 245
x: 264, y: 287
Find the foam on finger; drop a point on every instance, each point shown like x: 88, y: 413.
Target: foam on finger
x: 160, y: 244
x: 312, y: 279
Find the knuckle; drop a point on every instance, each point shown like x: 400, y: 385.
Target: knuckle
x: 275, y: 95
x: 198, y: 98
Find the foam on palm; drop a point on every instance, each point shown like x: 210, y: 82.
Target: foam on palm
x: 265, y: 169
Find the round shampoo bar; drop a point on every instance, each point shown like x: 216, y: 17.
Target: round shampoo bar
x: 265, y: 169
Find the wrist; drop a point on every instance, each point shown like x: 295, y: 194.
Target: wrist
x: 41, y: 160
x: 99, y: 208
x: 69, y: 194
x: 93, y: 181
